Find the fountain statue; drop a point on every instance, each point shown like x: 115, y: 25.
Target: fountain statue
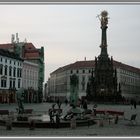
x: 19, y: 94
x: 73, y: 90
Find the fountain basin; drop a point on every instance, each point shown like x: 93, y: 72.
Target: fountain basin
x: 43, y: 121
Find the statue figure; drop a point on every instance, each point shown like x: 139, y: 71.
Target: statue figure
x: 73, y: 90
x: 103, y: 17
x: 20, y: 101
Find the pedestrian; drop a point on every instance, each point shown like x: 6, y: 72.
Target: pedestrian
x: 132, y: 103
x: 85, y: 105
x: 94, y: 109
x: 66, y: 101
x: 135, y: 104
x: 57, y: 117
x: 51, y: 114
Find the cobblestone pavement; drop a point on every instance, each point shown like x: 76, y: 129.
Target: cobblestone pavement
x: 123, y: 128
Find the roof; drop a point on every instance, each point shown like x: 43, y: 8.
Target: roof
x: 32, y: 55
x: 6, y: 53
x: 29, y: 46
x: 126, y: 67
x: 91, y: 64
x: 76, y: 65
x: 6, y: 46
x: 30, y: 51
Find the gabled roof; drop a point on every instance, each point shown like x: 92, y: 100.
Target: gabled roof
x: 29, y: 47
x: 91, y: 64
x: 6, y: 46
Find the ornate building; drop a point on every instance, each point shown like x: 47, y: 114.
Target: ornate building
x: 29, y: 52
x: 103, y: 85
x: 10, y: 76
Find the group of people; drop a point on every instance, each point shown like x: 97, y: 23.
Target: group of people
x: 55, y: 115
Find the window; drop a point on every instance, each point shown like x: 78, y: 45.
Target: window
x: 18, y: 83
x: 71, y: 71
x: 10, y: 83
x: 83, y: 82
x: 1, y: 69
x: 10, y: 61
x: 5, y: 60
x: 3, y: 82
x: 5, y: 70
x: 14, y: 83
x: 89, y: 71
x: 10, y: 71
x: 20, y: 72
x: 83, y: 71
x: 14, y: 72
x: 1, y: 59
x: 77, y: 71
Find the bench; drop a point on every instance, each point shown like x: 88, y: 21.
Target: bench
x: 28, y: 111
x: 119, y: 113
x: 4, y: 112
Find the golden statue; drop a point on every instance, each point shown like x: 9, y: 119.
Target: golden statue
x: 103, y: 17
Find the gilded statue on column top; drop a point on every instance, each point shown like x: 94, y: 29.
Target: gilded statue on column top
x: 103, y: 17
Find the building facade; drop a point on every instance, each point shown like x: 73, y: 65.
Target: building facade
x: 10, y: 76
x: 30, y: 81
x: 59, y: 81
x: 29, y: 52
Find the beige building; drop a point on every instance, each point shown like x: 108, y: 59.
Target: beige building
x: 59, y: 81
x: 30, y: 80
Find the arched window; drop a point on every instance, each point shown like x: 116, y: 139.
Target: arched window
x: 10, y: 71
x: 1, y: 69
x: 14, y: 72
x: 5, y: 70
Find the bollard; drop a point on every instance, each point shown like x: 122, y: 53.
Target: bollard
x: 73, y: 123
x: 8, y: 124
x: 100, y: 123
x: 32, y: 125
x: 116, y: 119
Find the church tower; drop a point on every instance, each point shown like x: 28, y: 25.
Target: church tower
x: 104, y: 82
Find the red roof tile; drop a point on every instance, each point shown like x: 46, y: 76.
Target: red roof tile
x: 6, y: 46
x: 29, y: 50
x: 29, y: 46
x: 32, y: 55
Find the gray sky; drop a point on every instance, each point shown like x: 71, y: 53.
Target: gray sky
x: 71, y: 32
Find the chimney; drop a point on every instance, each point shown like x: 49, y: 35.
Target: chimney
x: 12, y: 38
x: 17, y: 39
x: 85, y: 58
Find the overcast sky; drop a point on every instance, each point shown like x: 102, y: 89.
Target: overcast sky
x: 71, y: 32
